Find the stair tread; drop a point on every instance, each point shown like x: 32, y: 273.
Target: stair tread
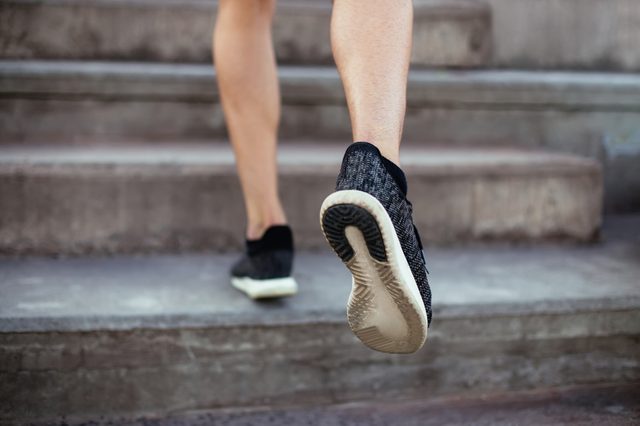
x: 322, y: 84
x: 173, y: 291
x: 312, y: 157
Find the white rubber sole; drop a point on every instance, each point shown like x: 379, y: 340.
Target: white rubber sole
x: 385, y: 309
x: 263, y: 289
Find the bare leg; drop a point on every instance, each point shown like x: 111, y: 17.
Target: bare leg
x: 248, y: 82
x: 371, y: 41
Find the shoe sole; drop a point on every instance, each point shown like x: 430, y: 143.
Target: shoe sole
x: 266, y: 289
x: 385, y: 309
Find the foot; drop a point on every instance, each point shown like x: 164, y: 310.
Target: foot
x: 368, y: 223
x: 264, y: 271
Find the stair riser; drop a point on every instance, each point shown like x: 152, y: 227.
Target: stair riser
x: 161, y: 371
x: 445, y: 35
x: 576, y: 34
x: 555, y: 34
x: 86, y: 121
x: 566, y: 34
x: 110, y: 209
x: 613, y: 138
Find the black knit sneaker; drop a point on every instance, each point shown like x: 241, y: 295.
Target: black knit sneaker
x: 368, y: 223
x: 264, y: 271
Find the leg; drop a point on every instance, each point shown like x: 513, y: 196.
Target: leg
x: 248, y: 83
x: 371, y: 41
x: 368, y: 220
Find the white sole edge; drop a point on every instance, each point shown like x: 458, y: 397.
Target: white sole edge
x: 373, y: 314
x: 264, y: 289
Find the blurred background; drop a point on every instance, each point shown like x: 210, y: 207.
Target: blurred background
x: 120, y: 213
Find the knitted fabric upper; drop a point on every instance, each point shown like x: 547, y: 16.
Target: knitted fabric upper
x: 277, y: 237
x: 269, y: 257
x: 363, y: 169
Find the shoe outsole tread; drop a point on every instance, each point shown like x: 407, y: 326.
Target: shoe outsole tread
x: 381, y: 311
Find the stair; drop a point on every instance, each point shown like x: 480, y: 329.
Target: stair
x: 454, y: 33
x: 168, y: 334
x: 586, y: 35
x: 112, y: 142
x: 594, y: 115
x: 118, y: 101
x: 81, y: 200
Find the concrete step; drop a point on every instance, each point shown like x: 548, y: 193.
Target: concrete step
x: 77, y: 200
x: 165, y: 334
x: 560, y: 34
x: 105, y: 101
x: 610, y: 404
x: 594, y: 115
x: 451, y: 33
x: 566, y: 34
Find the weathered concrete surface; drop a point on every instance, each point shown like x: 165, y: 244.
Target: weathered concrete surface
x: 604, y: 405
x: 594, y: 115
x: 566, y: 34
x: 595, y: 35
x: 42, y: 294
x: 447, y: 32
x: 166, y: 334
x: 319, y: 84
x: 78, y: 200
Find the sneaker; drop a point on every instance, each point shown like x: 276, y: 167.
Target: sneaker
x: 264, y: 271
x: 368, y: 223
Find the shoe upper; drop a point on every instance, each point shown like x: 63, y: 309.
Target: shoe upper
x: 267, y: 258
x: 365, y: 169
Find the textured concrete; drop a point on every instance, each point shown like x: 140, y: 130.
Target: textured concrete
x: 553, y: 34
x: 166, y: 334
x: 519, y: 89
x: 566, y: 34
x: 447, y: 32
x: 127, y: 199
x: 603, y: 405
x: 40, y: 294
x: 589, y: 114
x: 595, y: 35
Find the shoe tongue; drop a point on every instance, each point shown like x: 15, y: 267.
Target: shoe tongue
x: 278, y: 237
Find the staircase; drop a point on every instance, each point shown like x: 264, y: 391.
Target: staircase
x: 121, y: 212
